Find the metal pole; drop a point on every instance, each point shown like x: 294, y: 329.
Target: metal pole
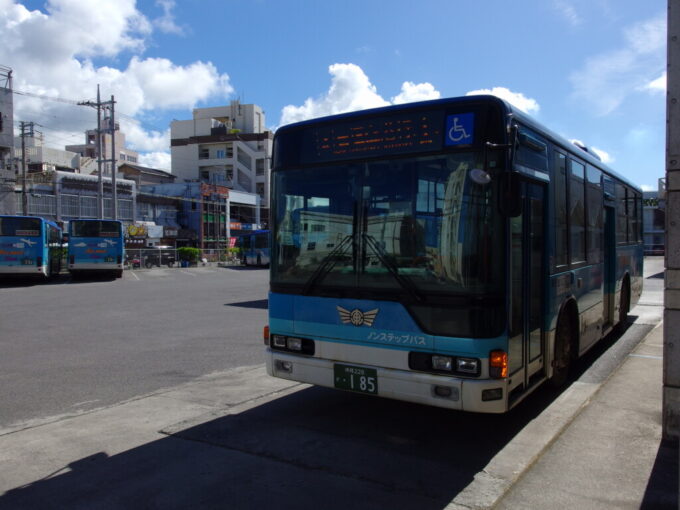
x: 24, y: 196
x: 100, y: 180
x: 114, y: 189
x: 671, y: 320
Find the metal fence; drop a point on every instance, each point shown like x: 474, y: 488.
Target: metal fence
x: 149, y: 258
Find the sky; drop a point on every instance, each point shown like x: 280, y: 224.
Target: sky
x: 590, y: 70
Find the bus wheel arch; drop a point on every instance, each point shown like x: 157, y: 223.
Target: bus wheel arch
x: 565, y: 349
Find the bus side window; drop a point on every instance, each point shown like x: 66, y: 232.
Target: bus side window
x: 594, y: 210
x: 561, y: 223
x: 621, y: 214
x: 577, y: 211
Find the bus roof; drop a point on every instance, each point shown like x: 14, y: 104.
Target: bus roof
x: 49, y: 222
x: 510, y: 111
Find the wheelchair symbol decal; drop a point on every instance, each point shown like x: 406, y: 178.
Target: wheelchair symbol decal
x: 459, y: 129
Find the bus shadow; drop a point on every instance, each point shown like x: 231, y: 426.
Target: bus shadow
x: 9, y: 281
x: 91, y: 278
x: 262, y: 304
x: 246, y: 268
x: 314, y: 448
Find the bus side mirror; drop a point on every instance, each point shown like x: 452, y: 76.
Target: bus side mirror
x: 510, y: 195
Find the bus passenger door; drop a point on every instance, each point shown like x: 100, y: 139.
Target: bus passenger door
x: 609, y: 265
x: 526, y: 339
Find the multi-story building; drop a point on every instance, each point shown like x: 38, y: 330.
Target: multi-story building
x: 40, y: 158
x: 63, y: 196
x: 89, y: 148
x: 654, y: 222
x: 7, y: 168
x: 225, y: 146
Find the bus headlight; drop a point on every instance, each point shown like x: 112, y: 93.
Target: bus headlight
x: 467, y: 365
x: 279, y: 341
x: 294, y: 344
x: 442, y: 363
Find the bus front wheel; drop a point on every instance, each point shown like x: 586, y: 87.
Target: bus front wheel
x: 563, y: 354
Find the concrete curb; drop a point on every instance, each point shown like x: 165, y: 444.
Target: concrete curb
x: 510, y: 464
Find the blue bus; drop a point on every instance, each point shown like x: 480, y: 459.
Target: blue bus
x: 96, y: 247
x: 254, y: 248
x: 453, y: 252
x: 30, y: 245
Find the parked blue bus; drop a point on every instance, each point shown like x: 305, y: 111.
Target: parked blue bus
x: 96, y: 247
x: 30, y: 245
x: 453, y: 252
x: 254, y: 248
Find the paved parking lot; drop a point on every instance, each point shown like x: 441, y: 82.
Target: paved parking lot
x: 68, y: 346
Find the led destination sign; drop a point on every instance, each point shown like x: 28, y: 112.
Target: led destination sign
x: 361, y: 138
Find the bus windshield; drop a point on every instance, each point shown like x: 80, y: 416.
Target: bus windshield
x: 95, y: 228
x: 28, y: 227
x: 416, y: 227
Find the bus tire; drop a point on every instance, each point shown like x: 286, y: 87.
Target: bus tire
x: 119, y: 273
x: 624, y: 304
x: 564, y: 343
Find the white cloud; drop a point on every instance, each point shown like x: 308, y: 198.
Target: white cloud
x: 166, y: 22
x: 411, y: 92
x: 605, y: 157
x: 141, y: 140
x: 53, y: 53
x: 647, y: 187
x: 568, y: 11
x: 526, y: 104
x: 352, y: 90
x: 605, y: 80
x: 159, y: 160
x: 658, y: 85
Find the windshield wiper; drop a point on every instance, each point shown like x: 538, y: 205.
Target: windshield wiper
x: 404, y: 283
x: 327, y: 264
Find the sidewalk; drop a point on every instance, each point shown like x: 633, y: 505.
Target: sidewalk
x: 611, y: 455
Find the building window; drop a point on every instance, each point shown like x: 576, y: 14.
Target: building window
x: 122, y: 156
x: 41, y: 204
x: 220, y: 154
x: 260, y: 189
x: 259, y: 167
x: 70, y: 206
x: 88, y: 207
x: 125, y: 209
x: 203, y: 153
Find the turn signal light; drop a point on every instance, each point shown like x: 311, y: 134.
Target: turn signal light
x: 498, y: 364
x: 265, y: 334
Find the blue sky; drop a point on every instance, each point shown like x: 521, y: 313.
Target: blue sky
x: 592, y: 70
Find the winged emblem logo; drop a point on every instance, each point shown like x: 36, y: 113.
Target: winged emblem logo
x: 356, y: 317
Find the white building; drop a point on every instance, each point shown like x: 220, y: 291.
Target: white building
x: 7, y: 167
x: 224, y: 145
x: 40, y: 158
x: 89, y: 148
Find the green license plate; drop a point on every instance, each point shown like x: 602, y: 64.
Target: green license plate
x: 359, y: 379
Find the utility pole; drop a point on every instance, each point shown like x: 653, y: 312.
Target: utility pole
x: 26, y: 129
x: 100, y: 105
x: 112, y: 127
x: 671, y: 318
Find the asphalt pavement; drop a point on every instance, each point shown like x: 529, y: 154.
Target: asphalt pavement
x: 239, y: 439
